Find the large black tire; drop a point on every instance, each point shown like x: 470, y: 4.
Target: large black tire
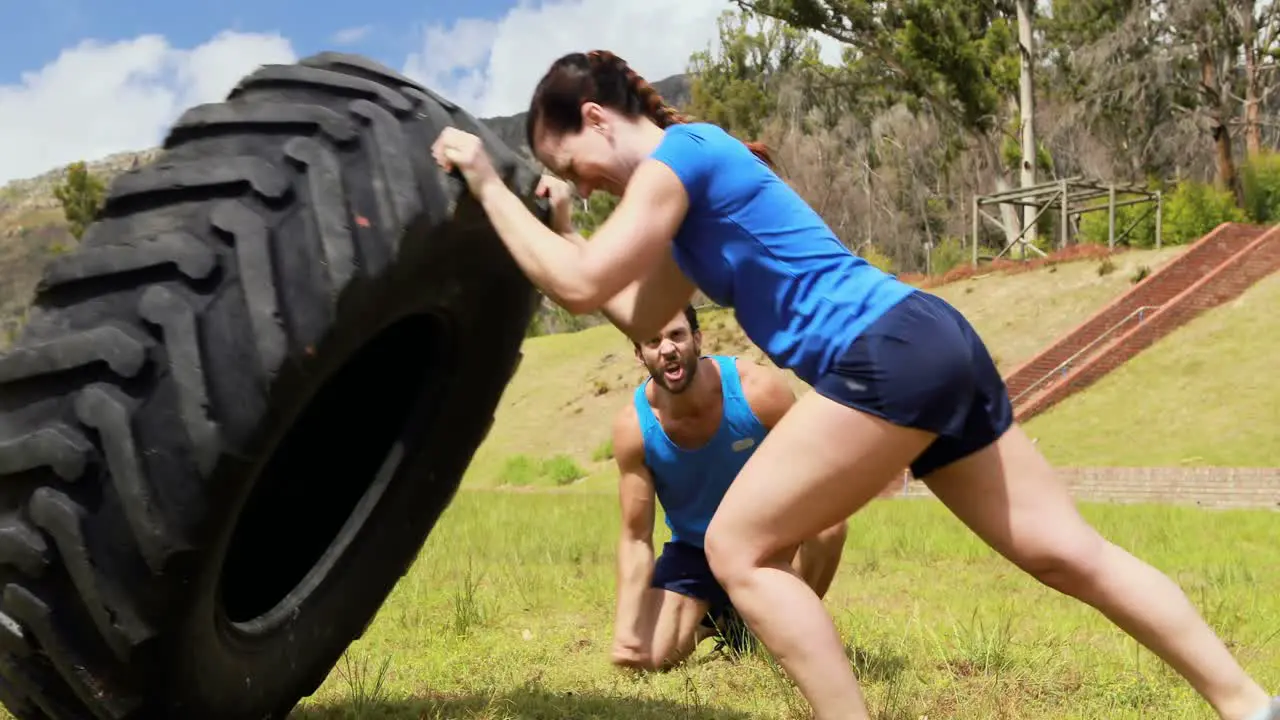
x: 241, y: 405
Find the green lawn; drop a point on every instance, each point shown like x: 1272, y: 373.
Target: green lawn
x: 507, y: 614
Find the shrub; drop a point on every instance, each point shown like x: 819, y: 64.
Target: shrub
x: 524, y: 470
x: 520, y: 470
x: 562, y: 470
x: 1093, y: 225
x: 949, y: 253
x: 1190, y: 211
x: 872, y: 254
x: 1261, y: 182
x: 1195, y: 208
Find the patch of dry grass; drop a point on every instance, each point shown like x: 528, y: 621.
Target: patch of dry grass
x: 1018, y: 315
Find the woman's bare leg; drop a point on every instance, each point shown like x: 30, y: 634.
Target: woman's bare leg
x: 1008, y: 494
x: 817, y: 466
x: 836, y: 459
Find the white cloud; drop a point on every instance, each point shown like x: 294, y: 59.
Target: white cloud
x: 456, y: 65
x: 100, y: 98
x: 351, y: 35
x: 490, y: 67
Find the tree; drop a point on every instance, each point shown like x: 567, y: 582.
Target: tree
x: 1171, y: 83
x: 1111, y: 72
x: 1204, y: 28
x: 1259, y: 26
x: 739, y: 87
x: 81, y: 194
x: 957, y: 58
x: 1027, y: 112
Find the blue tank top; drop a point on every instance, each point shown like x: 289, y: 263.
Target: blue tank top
x: 752, y: 243
x: 691, y: 483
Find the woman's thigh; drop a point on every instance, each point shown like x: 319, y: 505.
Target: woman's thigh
x: 913, y: 387
x: 1009, y: 495
x: 817, y: 466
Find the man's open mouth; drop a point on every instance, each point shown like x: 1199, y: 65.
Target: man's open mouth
x: 673, y: 373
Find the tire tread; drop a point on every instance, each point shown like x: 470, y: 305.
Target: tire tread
x: 187, y: 253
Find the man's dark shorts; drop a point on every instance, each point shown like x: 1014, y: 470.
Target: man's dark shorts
x: 683, y: 568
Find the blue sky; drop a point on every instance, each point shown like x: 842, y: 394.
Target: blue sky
x: 83, y: 79
x: 34, y: 32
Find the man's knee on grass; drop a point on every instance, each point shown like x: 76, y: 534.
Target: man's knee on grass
x: 667, y: 632
x: 826, y: 547
x: 817, y: 559
x: 660, y: 657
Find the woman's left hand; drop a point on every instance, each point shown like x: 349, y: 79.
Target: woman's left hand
x: 464, y: 151
x: 560, y: 196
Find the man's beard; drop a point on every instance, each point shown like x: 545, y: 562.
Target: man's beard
x: 679, y: 384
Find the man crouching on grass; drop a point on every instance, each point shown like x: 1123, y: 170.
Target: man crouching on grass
x: 683, y: 439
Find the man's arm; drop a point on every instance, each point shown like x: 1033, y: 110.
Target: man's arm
x: 636, y: 496
x: 768, y: 393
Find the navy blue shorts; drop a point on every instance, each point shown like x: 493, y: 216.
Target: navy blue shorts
x: 683, y: 569
x: 922, y: 365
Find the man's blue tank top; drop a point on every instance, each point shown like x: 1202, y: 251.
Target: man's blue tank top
x: 691, y: 482
x: 752, y: 243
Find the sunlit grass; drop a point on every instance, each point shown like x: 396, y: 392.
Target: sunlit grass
x: 507, y: 614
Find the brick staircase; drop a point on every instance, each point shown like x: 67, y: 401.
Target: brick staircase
x: 1217, y: 268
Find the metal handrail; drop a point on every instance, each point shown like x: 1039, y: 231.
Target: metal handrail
x: 1062, y: 366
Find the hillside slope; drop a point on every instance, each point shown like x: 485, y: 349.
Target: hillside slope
x: 563, y: 397
x: 1206, y: 394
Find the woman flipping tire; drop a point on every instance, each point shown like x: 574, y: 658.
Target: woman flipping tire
x: 901, y: 378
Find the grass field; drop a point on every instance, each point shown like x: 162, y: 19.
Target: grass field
x: 507, y: 614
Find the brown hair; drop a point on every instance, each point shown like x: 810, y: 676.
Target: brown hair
x: 690, y: 315
x: 601, y: 77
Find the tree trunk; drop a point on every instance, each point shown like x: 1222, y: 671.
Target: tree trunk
x: 1252, y: 103
x: 1008, y: 213
x: 1219, y: 115
x: 1027, y: 110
